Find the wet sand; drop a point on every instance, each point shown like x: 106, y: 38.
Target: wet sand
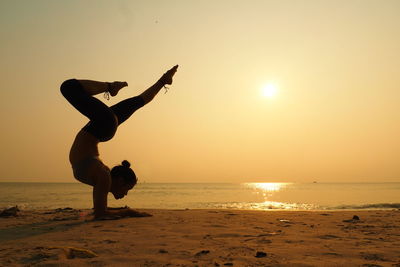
x: 67, y: 237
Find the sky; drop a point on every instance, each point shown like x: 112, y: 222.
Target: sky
x: 335, y: 67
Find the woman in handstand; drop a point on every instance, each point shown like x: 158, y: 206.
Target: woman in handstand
x: 104, y: 121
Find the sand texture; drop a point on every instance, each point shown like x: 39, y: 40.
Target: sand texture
x: 66, y: 237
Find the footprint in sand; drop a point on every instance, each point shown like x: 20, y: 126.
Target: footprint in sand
x: 227, y: 235
x: 328, y: 236
x: 372, y: 256
x: 201, y: 253
x: 109, y: 241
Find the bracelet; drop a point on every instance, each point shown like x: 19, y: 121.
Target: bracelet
x: 107, y: 93
x: 166, y: 89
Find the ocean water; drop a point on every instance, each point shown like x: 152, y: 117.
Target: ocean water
x: 253, y: 196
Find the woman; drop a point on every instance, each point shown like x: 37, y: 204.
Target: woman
x: 104, y: 121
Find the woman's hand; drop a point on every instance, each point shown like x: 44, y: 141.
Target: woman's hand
x: 115, y: 214
x: 134, y: 213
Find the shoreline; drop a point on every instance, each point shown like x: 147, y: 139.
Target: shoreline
x: 29, y: 210
x: 202, y: 237
x: 262, y: 196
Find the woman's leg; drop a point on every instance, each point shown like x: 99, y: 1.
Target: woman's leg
x: 103, y: 123
x: 96, y: 87
x: 124, y: 109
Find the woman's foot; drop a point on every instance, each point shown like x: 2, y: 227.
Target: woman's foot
x: 167, y: 77
x: 114, y: 87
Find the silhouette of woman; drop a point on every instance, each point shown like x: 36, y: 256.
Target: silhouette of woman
x: 104, y: 121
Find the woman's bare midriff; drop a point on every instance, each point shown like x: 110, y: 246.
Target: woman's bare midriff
x: 84, y: 146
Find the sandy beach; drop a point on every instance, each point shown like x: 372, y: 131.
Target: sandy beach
x: 67, y: 237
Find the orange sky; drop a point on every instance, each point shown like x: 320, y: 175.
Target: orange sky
x: 335, y: 117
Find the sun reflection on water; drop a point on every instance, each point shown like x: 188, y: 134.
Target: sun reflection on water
x: 267, y: 187
x: 266, y: 191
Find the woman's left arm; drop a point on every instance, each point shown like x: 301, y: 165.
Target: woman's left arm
x: 100, y: 192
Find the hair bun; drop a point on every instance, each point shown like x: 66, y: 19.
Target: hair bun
x: 126, y: 163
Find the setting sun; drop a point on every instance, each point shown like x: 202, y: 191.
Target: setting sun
x: 269, y: 90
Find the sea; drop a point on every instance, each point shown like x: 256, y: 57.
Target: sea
x: 244, y: 196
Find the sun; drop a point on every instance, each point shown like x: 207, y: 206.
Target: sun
x: 269, y: 90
